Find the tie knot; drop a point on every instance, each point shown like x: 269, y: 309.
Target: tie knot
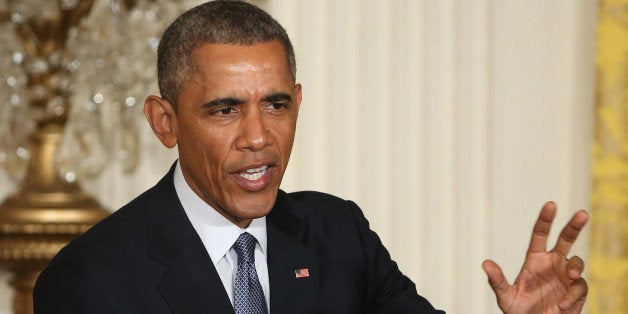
x: 245, y: 247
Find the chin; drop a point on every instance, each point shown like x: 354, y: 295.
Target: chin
x: 257, y: 211
x: 250, y: 205
x: 259, y: 206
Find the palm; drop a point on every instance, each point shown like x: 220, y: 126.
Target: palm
x: 546, y: 279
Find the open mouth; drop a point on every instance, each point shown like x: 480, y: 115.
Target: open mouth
x: 254, y: 174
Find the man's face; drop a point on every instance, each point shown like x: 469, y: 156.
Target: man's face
x: 235, y: 126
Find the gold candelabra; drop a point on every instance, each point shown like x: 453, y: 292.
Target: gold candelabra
x: 47, y: 210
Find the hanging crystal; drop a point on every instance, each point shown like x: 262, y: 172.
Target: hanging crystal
x: 109, y: 75
x: 27, y: 9
x: 15, y: 121
x: 128, y: 152
x: 69, y: 4
x: 83, y: 151
x: 105, y: 57
x: 17, y: 125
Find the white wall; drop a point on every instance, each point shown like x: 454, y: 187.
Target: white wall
x: 449, y: 122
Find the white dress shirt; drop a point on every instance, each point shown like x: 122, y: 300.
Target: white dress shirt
x: 218, y: 235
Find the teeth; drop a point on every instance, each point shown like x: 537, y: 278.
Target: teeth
x: 254, y: 174
x: 262, y: 168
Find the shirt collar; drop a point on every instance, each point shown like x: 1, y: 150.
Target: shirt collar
x: 216, y: 232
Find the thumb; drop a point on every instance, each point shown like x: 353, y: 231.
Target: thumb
x: 496, y: 277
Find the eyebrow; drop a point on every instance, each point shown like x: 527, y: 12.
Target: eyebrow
x: 277, y: 97
x: 223, y: 101
x: 233, y: 101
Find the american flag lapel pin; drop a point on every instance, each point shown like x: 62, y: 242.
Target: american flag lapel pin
x: 302, y: 273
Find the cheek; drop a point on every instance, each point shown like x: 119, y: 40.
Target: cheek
x: 286, y: 131
x: 285, y: 138
x: 217, y: 148
x: 206, y: 144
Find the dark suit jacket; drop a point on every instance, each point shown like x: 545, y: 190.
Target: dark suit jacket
x: 147, y: 258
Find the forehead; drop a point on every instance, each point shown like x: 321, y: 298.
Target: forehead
x: 266, y: 56
x: 241, y: 71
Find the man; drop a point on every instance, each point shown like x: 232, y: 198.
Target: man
x: 216, y: 235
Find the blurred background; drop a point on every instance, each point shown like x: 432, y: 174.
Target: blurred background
x: 450, y: 122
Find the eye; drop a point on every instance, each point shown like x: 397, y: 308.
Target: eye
x: 276, y: 106
x: 225, y: 111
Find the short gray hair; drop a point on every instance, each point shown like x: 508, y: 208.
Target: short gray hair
x: 214, y: 22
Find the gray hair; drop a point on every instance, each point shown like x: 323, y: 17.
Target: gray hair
x: 214, y: 22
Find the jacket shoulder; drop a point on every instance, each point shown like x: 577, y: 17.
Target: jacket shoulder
x: 122, y: 234
x: 317, y: 200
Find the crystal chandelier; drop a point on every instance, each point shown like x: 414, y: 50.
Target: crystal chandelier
x: 91, y: 80
x: 73, y: 74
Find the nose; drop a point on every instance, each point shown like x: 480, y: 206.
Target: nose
x: 255, y: 133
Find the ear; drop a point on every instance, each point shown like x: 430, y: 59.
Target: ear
x: 162, y: 119
x: 298, y: 95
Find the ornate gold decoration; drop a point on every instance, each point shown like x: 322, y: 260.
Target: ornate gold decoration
x: 609, y: 241
x: 47, y: 211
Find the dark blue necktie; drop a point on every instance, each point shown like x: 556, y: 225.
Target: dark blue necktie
x: 248, y: 297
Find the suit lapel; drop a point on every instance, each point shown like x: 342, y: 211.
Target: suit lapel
x: 286, y: 254
x: 191, y: 283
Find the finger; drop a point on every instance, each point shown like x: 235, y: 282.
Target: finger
x: 570, y: 232
x: 577, y: 293
x: 575, y: 266
x: 538, y: 242
x: 496, y: 277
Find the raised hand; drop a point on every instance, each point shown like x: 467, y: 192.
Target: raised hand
x: 549, y: 281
